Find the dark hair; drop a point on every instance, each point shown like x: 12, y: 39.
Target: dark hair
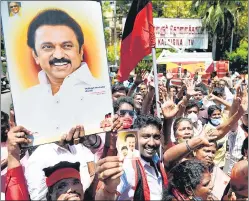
x: 178, y: 121
x: 137, y: 94
x: 244, y: 146
x: 211, y: 142
x: 129, y: 135
x: 173, y: 86
x: 4, y: 126
x: 186, y: 175
x: 118, y: 87
x: 124, y: 147
x: 212, y: 108
x: 218, y: 91
x: 53, y: 17
x: 121, y: 100
x: 213, y: 74
x: 142, y: 83
x: 145, y: 120
x: 49, y: 170
x: 131, y: 78
x: 200, y: 89
x: 191, y: 104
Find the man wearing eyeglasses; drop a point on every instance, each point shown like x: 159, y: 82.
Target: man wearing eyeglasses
x: 14, y: 8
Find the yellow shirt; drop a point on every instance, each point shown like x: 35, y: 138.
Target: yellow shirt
x: 220, y: 154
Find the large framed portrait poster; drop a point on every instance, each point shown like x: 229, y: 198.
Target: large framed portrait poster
x: 58, y: 68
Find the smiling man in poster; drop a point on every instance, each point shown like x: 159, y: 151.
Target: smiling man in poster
x: 67, y: 95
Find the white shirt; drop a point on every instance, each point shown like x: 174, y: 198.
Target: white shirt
x: 49, y: 155
x: 133, y: 154
x: 81, y: 100
x: 128, y: 180
x: 198, y: 128
x: 235, y: 141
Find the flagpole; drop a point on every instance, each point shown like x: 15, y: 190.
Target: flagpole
x: 156, y: 81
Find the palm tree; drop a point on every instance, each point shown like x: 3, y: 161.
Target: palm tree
x: 219, y: 18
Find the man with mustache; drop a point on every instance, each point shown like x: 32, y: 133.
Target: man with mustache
x: 130, y: 140
x: 66, y: 88
x: 144, y: 178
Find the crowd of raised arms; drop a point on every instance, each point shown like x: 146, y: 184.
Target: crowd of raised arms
x: 196, y: 150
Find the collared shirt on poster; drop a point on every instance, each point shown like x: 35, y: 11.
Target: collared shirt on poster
x: 79, y: 101
x: 49, y: 155
x: 125, y: 188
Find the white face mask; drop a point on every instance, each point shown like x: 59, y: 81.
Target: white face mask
x: 193, y: 117
x: 216, y: 122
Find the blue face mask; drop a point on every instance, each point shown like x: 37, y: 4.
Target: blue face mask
x: 216, y: 122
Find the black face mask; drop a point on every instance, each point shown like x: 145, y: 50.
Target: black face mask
x: 245, y: 127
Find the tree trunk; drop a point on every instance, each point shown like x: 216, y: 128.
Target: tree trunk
x: 214, y: 46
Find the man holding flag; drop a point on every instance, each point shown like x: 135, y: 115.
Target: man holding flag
x: 138, y: 41
x: 138, y: 37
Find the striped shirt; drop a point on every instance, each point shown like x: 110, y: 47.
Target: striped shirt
x: 235, y: 141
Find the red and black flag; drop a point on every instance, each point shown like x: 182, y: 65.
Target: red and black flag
x: 138, y: 37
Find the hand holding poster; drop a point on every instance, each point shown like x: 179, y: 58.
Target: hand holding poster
x: 57, y: 65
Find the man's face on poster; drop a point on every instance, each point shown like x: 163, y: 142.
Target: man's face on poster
x: 131, y: 141
x: 57, y: 50
x: 14, y: 7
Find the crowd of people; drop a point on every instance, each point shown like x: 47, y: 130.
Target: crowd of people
x: 195, y: 150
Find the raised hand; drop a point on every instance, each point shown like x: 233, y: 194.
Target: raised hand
x: 169, y: 75
x: 208, y: 136
x: 190, y: 88
x: 139, y: 78
x: 73, y: 137
x: 169, y: 109
x: 16, y: 136
x: 109, y: 171
x: 12, y: 122
x: 117, y: 124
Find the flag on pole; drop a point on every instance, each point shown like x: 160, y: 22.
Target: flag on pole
x: 138, y: 37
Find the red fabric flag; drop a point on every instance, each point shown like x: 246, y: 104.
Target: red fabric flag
x: 138, y: 37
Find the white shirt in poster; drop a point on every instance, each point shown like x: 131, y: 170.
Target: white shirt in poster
x: 81, y: 100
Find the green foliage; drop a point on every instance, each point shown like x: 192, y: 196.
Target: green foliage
x: 107, y: 37
x: 2, y: 47
x: 239, y: 57
x: 221, y: 18
x: 111, y: 55
x: 122, y: 7
x: 172, y: 9
x: 144, y: 65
